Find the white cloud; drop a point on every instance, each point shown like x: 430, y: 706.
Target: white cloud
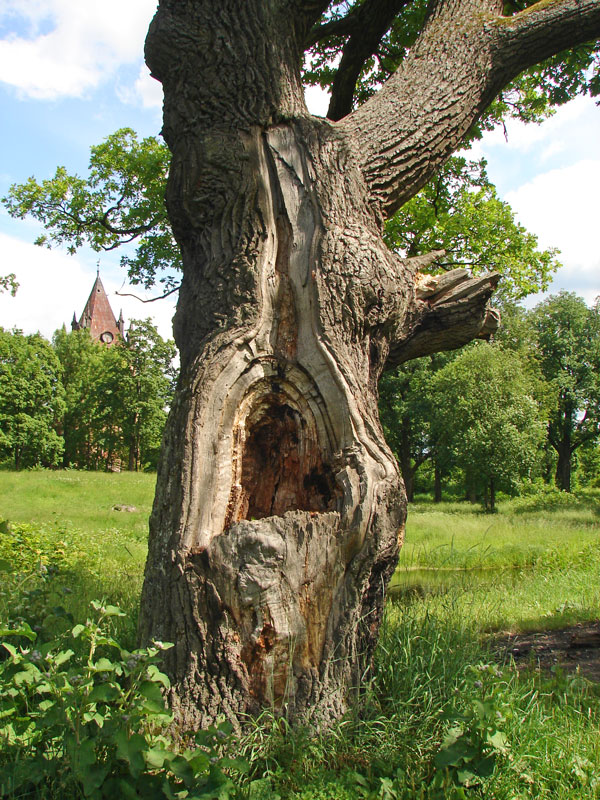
x: 146, y: 91
x: 525, y: 136
x: 552, y: 149
x: 54, y: 285
x: 561, y: 208
x: 63, y: 48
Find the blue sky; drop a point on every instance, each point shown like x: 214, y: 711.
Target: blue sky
x: 72, y: 72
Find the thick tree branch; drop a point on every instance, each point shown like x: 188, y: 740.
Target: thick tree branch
x: 305, y: 14
x: 465, y: 55
x: 544, y: 29
x: 450, y: 310
x: 371, y: 23
x: 343, y: 26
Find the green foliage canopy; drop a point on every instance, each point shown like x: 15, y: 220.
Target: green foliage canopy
x: 459, y: 211
x: 8, y: 283
x: 567, y: 341
x: 485, y: 413
x: 31, y: 400
x: 358, y: 45
x: 120, y: 202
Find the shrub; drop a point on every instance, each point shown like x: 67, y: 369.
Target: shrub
x: 81, y: 716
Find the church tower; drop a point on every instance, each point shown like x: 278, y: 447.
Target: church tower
x: 98, y: 317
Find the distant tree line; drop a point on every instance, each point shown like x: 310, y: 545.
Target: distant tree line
x: 73, y: 402
x: 487, y: 418
x: 494, y: 415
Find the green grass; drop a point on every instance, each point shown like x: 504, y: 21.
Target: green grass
x: 79, y: 500
x: 93, y: 551
x: 463, y: 575
x: 525, y: 531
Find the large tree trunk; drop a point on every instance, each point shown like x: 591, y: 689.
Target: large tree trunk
x: 437, y: 484
x: 560, y: 437
x: 279, y: 507
x: 562, y: 476
x: 408, y: 468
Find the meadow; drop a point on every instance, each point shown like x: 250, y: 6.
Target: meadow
x: 445, y: 712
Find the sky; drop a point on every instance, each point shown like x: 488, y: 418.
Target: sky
x: 72, y: 72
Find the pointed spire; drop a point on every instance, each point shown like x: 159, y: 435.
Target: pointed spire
x: 98, y: 317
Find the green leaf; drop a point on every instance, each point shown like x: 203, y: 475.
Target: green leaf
x: 466, y: 777
x: 131, y: 749
x: 113, y: 611
x: 459, y: 752
x: 497, y: 740
x: 151, y: 691
x: 484, y: 766
x: 238, y: 764
x: 104, y: 693
x: 154, y: 674
x: 198, y: 760
x: 62, y: 657
x: 95, y: 776
x: 182, y: 769
x: 127, y: 790
x: 86, y: 754
x: 156, y: 757
x: 24, y: 630
x: 103, y: 665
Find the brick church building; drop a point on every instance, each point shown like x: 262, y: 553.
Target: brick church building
x: 98, y: 317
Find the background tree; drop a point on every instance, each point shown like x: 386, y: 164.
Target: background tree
x: 83, y: 362
x: 567, y: 336
x: 120, y: 202
x: 405, y: 406
x: 459, y: 213
x: 140, y: 380
x: 116, y: 397
x: 486, y: 414
x: 31, y: 400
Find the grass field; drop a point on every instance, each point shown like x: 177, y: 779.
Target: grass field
x: 437, y: 705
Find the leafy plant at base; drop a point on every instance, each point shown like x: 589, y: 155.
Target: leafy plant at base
x: 95, y: 724
x: 470, y: 750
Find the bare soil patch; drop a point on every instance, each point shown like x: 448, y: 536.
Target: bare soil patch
x: 567, y: 648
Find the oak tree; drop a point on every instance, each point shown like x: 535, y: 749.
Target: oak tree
x: 31, y: 400
x: 279, y: 506
x: 116, y: 397
x: 487, y: 416
x: 567, y: 343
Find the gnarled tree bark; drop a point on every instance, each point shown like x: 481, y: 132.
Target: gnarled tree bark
x: 279, y: 508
